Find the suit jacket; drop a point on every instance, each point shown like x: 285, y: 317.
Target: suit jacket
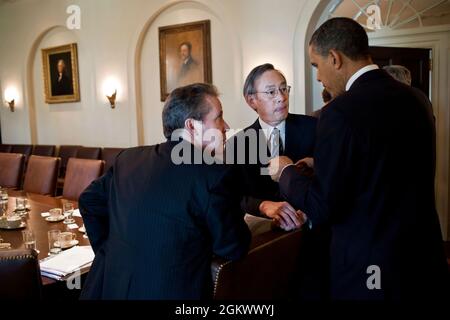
x: 154, y: 226
x: 374, y: 182
x: 299, y: 143
x: 63, y: 87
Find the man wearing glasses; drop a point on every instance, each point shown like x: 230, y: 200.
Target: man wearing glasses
x: 278, y: 132
x: 266, y: 92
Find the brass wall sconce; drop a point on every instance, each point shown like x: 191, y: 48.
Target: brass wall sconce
x: 11, y: 96
x: 11, y: 105
x: 112, y: 99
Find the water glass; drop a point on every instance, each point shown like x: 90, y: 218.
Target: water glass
x: 68, y: 212
x: 4, y: 208
x: 53, y: 236
x: 21, y: 204
x: 4, y: 194
x: 29, y: 239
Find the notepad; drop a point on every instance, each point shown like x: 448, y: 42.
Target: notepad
x: 76, y: 213
x: 68, y: 261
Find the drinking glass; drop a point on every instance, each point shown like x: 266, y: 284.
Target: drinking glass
x: 20, y: 204
x: 68, y: 212
x: 29, y: 240
x: 4, y: 195
x: 4, y: 208
x: 53, y: 236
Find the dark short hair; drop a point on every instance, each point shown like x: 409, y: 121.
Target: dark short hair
x: 249, y: 85
x: 341, y: 34
x: 187, y: 44
x: 186, y: 102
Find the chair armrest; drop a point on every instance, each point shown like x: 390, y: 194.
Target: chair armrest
x: 266, y: 271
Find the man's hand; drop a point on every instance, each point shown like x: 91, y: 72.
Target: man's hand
x: 283, y: 214
x: 309, y: 162
x: 276, y: 166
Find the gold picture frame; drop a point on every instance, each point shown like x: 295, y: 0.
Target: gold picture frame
x: 60, y: 70
x: 184, y: 55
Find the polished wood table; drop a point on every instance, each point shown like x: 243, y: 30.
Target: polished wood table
x: 38, y: 224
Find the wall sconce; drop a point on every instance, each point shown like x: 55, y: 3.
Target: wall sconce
x: 112, y: 99
x: 110, y: 87
x: 11, y: 105
x: 11, y: 95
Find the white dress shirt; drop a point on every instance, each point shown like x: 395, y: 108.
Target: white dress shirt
x: 267, y: 129
x: 359, y: 73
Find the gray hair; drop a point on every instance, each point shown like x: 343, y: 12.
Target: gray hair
x: 249, y: 85
x: 341, y: 34
x: 184, y: 103
x: 399, y: 73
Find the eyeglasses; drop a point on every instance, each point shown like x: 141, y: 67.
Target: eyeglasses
x: 272, y: 93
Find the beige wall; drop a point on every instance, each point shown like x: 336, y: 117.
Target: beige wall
x: 243, y: 35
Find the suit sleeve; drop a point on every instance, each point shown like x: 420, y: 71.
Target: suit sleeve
x: 93, y: 204
x: 251, y: 205
x: 225, y: 219
x: 333, y: 160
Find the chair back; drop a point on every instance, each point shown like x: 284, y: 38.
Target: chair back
x: 109, y: 156
x: 41, y: 175
x: 20, y: 275
x: 65, y: 153
x: 5, y: 148
x: 44, y: 150
x: 88, y: 153
x: 11, y: 169
x: 80, y: 173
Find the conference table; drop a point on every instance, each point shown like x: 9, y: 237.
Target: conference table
x: 35, y: 222
x: 268, y: 244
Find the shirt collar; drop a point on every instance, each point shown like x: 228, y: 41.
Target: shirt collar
x: 359, y: 73
x: 267, y: 128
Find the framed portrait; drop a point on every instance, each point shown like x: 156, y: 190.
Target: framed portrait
x: 184, y: 55
x: 60, y: 69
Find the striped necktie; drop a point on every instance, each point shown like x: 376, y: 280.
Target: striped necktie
x: 276, y: 145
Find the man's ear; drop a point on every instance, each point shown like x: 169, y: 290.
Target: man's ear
x: 189, y: 125
x: 251, y: 101
x: 336, y: 58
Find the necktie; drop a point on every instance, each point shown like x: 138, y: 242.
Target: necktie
x: 276, y: 145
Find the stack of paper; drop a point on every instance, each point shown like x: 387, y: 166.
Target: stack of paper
x: 62, y: 265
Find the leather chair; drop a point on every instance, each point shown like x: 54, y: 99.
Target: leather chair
x: 44, y: 150
x: 5, y: 148
x: 89, y: 153
x: 11, y: 169
x: 65, y: 153
x: 20, y: 275
x: 23, y: 149
x: 80, y: 173
x: 266, y: 272
x: 109, y: 156
x: 41, y: 175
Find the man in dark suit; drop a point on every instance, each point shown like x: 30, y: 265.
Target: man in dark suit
x: 159, y: 214
x: 266, y: 91
x: 374, y: 175
x: 276, y: 131
x: 62, y: 84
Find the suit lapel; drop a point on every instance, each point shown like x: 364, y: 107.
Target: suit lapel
x: 292, y: 137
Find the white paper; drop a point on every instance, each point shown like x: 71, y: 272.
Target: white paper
x: 68, y: 261
x: 76, y: 213
x: 45, y: 214
x: 72, y: 226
